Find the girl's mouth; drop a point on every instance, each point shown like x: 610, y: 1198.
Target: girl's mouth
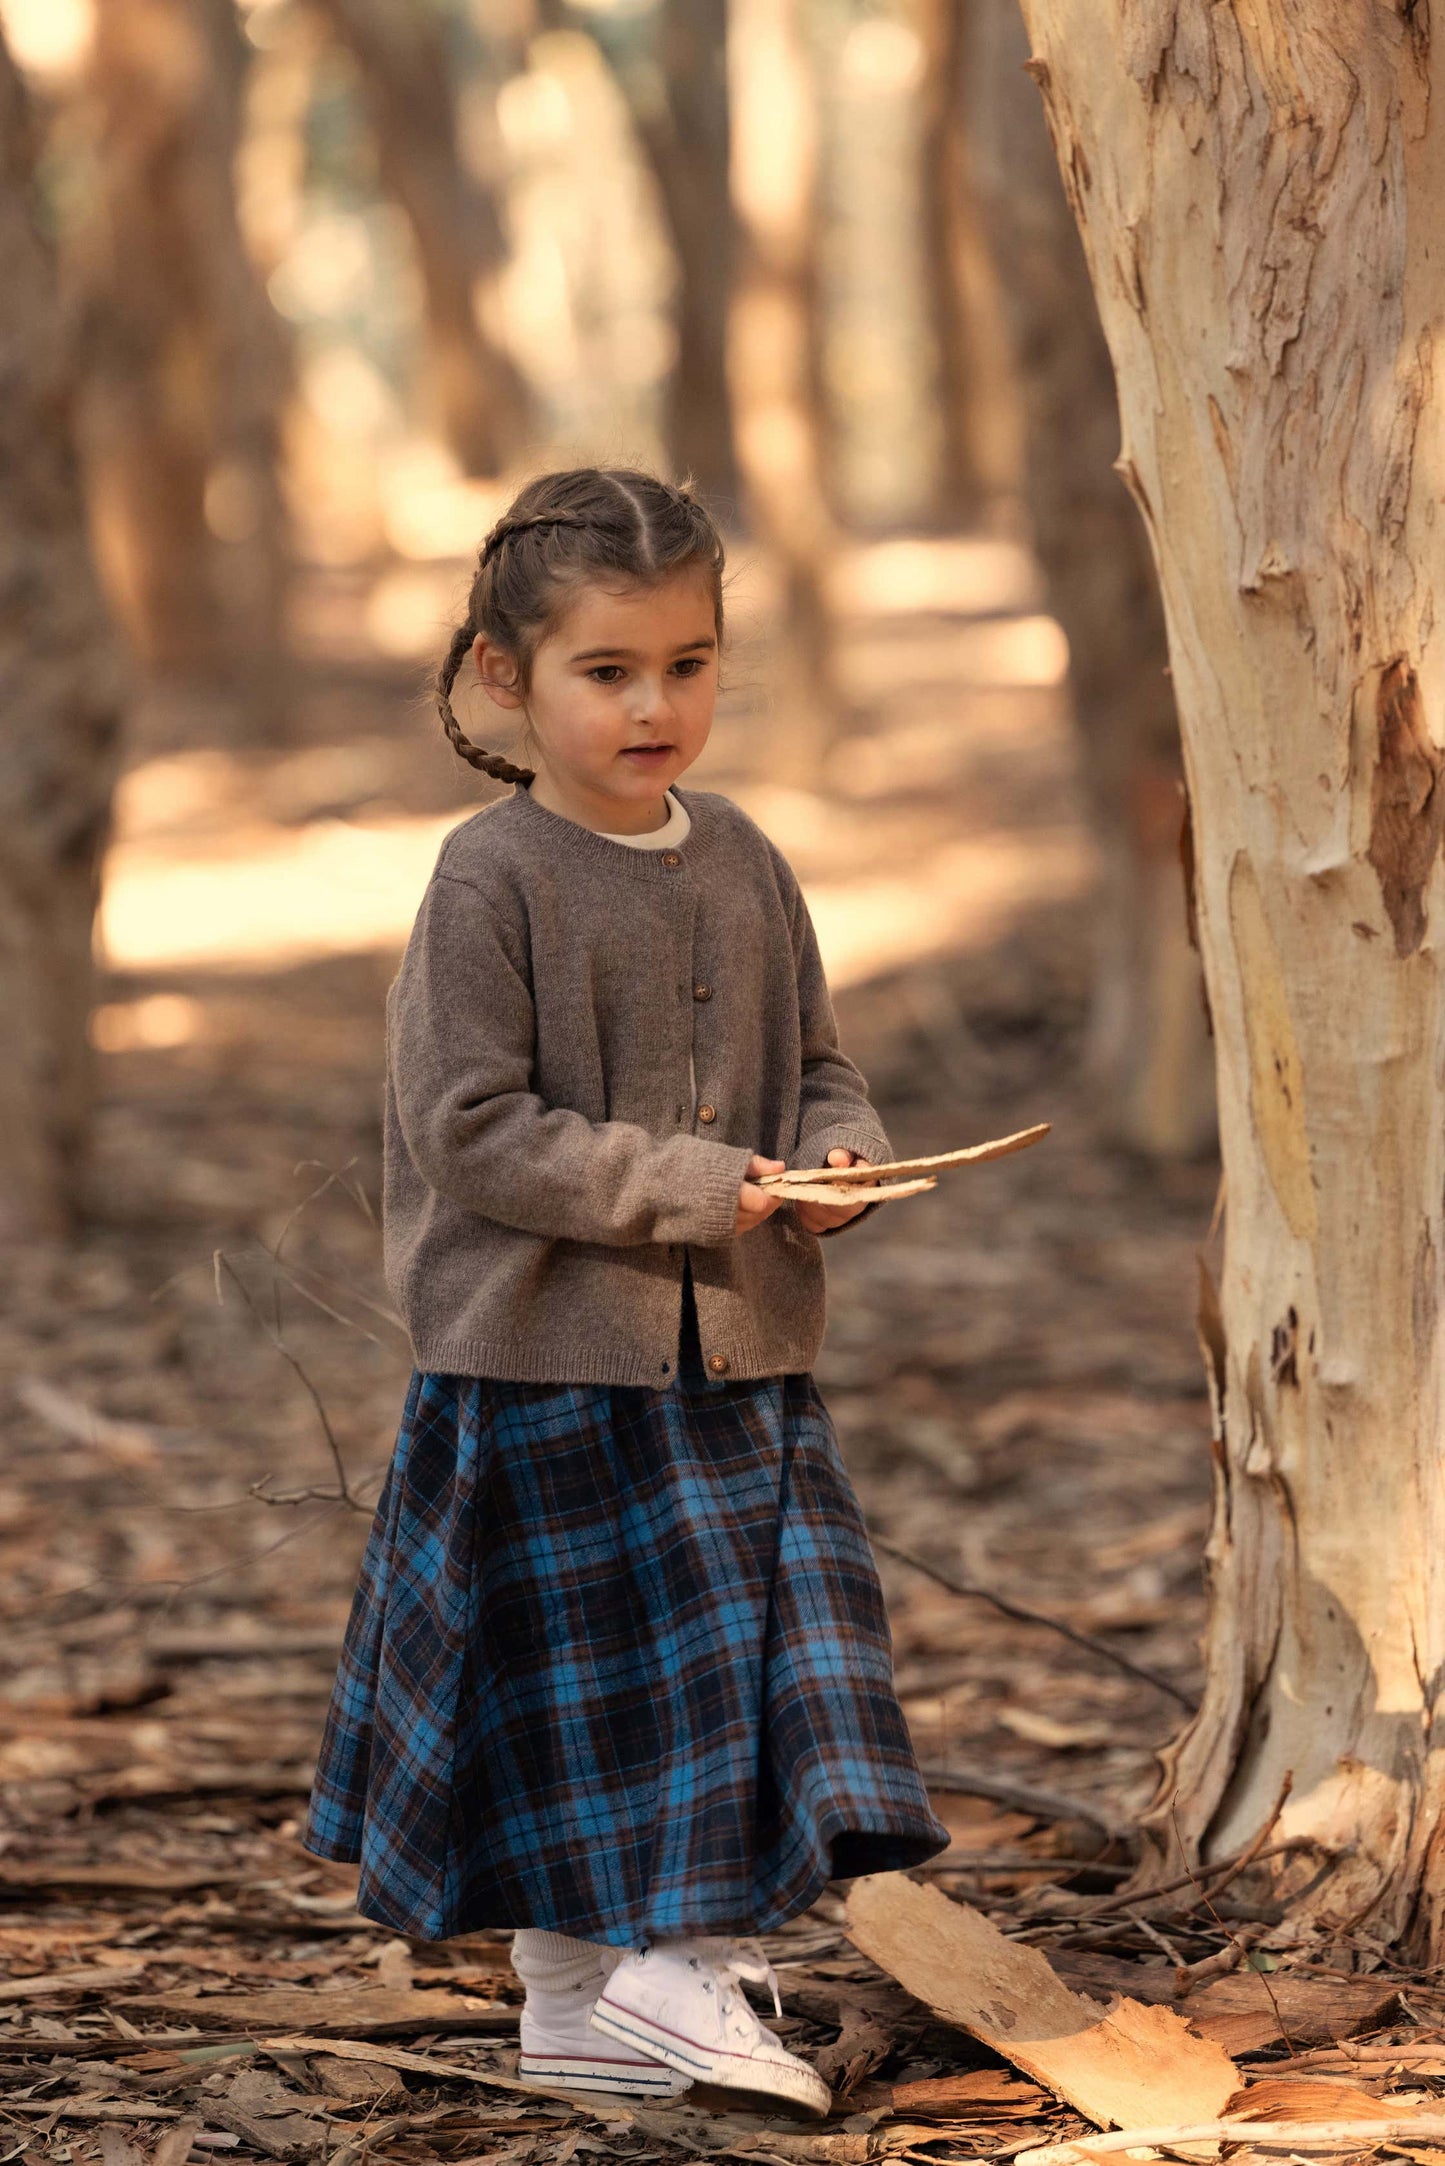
x: 647, y: 755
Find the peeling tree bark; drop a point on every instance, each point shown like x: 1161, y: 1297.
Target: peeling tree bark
x: 1149, y: 1054
x: 1260, y: 189
x: 59, y: 726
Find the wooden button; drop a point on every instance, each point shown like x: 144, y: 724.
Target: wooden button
x: 702, y: 992
x: 670, y: 857
x: 707, y: 1113
x: 718, y: 1363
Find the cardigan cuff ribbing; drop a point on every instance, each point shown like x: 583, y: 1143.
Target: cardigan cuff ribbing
x: 869, y: 1143
x: 714, y: 1213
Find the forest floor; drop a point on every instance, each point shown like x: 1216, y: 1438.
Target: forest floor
x: 1010, y: 1362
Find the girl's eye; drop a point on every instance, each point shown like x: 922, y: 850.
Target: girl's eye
x: 689, y: 665
x: 606, y: 673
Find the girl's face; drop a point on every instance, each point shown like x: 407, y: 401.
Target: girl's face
x: 621, y: 699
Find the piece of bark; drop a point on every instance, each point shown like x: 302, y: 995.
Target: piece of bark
x: 861, y: 2044
x: 1309, y: 2098
x: 360, y: 2083
x: 174, y: 2147
x: 93, y: 2109
x: 863, y: 1175
x: 809, y: 1191
x: 262, y: 2112
x: 1127, y: 2065
x: 982, y: 2093
x: 428, y: 2064
x: 114, y: 2148
x: 92, y: 1980
x: 1241, y: 2012
x: 147, y: 1780
x: 152, y: 1878
x: 350, y: 2012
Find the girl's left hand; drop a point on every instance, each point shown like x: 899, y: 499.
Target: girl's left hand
x: 822, y: 1217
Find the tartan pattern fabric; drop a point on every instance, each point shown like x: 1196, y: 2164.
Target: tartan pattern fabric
x: 618, y: 1666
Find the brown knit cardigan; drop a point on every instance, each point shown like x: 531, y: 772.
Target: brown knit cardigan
x: 546, y: 1170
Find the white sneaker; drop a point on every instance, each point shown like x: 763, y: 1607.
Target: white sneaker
x: 682, y: 2000
x: 559, y: 2048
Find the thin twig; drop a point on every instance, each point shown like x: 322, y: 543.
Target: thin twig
x: 343, y: 1492
x: 1230, y: 1868
x: 1022, y: 1614
x: 1341, y: 2136
x: 1254, y: 1850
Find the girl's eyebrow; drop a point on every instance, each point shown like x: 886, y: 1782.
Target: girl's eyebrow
x: 630, y: 654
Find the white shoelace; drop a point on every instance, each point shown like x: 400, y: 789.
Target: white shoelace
x: 733, y: 1961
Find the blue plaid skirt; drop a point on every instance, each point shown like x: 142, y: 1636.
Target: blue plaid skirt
x: 618, y: 1666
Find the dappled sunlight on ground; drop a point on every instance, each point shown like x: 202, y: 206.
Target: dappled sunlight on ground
x: 945, y: 807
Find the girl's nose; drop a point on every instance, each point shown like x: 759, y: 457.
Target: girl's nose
x: 650, y: 700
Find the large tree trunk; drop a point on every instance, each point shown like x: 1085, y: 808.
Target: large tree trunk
x: 978, y: 469
x: 59, y: 716
x: 1260, y: 190
x: 397, y: 46
x: 774, y: 366
x: 1149, y: 1052
x: 186, y: 367
x: 677, y: 99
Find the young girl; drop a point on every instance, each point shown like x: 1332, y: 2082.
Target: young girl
x: 618, y: 1672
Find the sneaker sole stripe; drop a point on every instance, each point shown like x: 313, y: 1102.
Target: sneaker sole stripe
x: 720, y: 2065
x: 640, y: 2031
x: 630, y: 2086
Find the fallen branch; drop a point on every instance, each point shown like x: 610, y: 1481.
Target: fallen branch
x: 1240, y: 1945
x: 427, y: 2064
x: 1145, y: 1898
x: 1023, y: 1797
x: 1344, y: 2136
x: 1022, y: 1614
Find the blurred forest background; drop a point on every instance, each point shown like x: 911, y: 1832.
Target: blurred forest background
x: 297, y: 292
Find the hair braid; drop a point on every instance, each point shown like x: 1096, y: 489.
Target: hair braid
x: 494, y: 764
x: 506, y: 528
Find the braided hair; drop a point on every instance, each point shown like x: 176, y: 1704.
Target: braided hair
x: 606, y: 523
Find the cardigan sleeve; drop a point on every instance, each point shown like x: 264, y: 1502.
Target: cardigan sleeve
x: 835, y: 1111
x: 460, y: 1036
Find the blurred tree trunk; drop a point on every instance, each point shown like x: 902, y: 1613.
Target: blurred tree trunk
x: 186, y: 365
x: 59, y: 726
x: 979, y: 468
x: 1148, y: 1044
x: 677, y: 100
x: 774, y: 363
x: 401, y: 58
x: 1259, y: 191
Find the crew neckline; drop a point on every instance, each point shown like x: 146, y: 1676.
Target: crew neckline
x: 592, y: 842
x: 674, y: 829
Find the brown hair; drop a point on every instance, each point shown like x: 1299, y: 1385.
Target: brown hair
x: 602, y: 523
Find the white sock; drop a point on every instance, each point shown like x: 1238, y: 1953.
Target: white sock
x: 554, y: 1963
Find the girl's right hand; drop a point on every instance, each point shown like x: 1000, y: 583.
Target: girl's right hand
x: 756, y: 1204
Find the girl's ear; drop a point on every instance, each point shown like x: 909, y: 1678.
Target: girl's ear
x: 498, y: 672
